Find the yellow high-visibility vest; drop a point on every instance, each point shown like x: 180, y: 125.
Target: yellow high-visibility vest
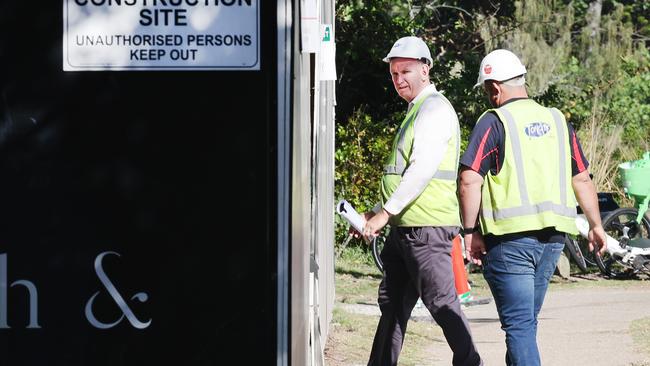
x: 533, y: 189
x: 437, y: 205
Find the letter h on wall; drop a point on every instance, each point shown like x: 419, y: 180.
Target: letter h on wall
x: 33, y: 297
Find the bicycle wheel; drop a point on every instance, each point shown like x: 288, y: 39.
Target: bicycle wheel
x: 377, y: 247
x: 589, y: 257
x: 575, y: 252
x: 616, y: 225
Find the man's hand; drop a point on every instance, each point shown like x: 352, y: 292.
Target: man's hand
x: 587, y: 197
x: 374, y: 225
x: 367, y: 216
x: 597, y: 239
x: 475, y: 247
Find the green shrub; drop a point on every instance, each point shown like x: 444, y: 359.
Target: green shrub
x: 362, y: 146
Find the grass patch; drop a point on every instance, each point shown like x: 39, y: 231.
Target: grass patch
x: 357, y: 260
x: 354, y: 289
x: 350, y: 340
x: 357, y: 279
x: 640, y: 330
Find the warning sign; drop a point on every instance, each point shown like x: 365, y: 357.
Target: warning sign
x: 161, y: 35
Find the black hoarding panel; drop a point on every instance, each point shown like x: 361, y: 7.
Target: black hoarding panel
x: 137, y: 220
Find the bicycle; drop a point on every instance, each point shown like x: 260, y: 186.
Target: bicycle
x: 627, y: 228
x: 630, y: 247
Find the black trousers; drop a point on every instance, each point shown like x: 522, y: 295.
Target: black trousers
x: 417, y: 263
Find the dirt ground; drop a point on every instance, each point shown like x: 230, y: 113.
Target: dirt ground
x: 577, y: 327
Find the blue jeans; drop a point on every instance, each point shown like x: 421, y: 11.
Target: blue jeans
x: 518, y: 273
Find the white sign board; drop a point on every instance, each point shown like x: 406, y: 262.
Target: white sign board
x: 161, y: 35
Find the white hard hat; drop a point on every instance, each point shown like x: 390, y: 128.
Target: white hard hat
x: 409, y: 47
x: 500, y: 65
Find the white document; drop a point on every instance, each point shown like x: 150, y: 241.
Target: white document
x: 345, y: 209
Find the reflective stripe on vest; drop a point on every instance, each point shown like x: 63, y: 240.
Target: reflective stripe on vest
x: 440, y: 174
x: 526, y: 208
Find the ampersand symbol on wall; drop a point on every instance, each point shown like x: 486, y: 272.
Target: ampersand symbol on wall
x: 119, y: 300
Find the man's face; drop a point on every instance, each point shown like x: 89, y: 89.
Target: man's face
x: 409, y: 77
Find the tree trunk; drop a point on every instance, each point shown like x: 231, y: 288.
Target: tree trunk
x: 593, y: 15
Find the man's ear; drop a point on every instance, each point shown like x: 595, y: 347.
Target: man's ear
x: 491, y: 87
x: 494, y: 92
x: 425, y: 71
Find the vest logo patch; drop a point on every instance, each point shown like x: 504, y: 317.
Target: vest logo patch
x: 537, y: 129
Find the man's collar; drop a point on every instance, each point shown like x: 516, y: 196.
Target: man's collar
x: 424, y: 92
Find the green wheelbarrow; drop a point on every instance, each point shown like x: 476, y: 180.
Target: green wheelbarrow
x: 635, y: 176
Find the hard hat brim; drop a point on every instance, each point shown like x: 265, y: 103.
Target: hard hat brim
x: 387, y: 59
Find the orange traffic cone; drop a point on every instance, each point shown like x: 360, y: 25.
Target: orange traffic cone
x: 460, y: 274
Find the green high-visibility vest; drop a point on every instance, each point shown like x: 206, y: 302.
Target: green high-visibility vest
x: 532, y: 190
x: 437, y: 205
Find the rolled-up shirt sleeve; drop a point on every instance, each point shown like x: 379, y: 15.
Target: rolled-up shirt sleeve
x: 434, y: 126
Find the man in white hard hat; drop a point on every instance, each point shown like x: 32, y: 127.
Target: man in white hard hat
x: 519, y: 174
x: 420, y: 202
